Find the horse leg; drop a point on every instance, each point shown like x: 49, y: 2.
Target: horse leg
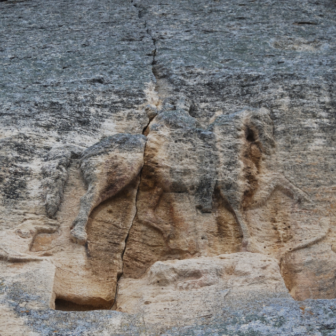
x: 148, y: 215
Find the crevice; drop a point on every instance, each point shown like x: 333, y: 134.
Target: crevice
x: 145, y: 131
x: 301, y: 23
x: 154, y: 51
x: 150, y: 119
x: 119, y: 275
x: 67, y: 305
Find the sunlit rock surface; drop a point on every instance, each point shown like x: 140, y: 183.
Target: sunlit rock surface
x: 167, y: 167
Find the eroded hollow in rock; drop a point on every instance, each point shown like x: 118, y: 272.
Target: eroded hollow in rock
x: 250, y: 136
x: 64, y: 305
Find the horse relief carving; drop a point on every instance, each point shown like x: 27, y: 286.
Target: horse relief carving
x: 177, y: 175
x: 248, y: 171
x: 107, y: 167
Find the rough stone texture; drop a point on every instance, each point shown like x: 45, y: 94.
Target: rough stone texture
x: 206, y: 284
x: 107, y: 167
x: 185, y: 142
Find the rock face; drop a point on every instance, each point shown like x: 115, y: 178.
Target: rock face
x: 207, y: 283
x: 167, y: 168
x: 107, y: 167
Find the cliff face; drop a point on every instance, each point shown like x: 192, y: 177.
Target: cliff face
x: 167, y: 167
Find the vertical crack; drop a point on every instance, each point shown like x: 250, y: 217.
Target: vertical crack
x: 154, y: 51
x: 141, y: 13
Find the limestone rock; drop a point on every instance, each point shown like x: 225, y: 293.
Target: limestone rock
x: 107, y: 167
x: 167, y: 168
x: 55, y: 172
x: 186, y: 290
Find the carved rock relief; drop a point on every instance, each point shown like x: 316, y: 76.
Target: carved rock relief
x: 110, y: 171
x: 85, y: 276
x: 182, y: 197
x: 177, y: 182
x: 184, y: 192
x: 107, y: 168
x: 249, y: 173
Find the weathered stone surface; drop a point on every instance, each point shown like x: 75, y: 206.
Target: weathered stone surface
x: 206, y: 283
x: 185, y: 142
x: 107, y: 167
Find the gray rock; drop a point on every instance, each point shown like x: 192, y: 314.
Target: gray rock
x: 86, y: 79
